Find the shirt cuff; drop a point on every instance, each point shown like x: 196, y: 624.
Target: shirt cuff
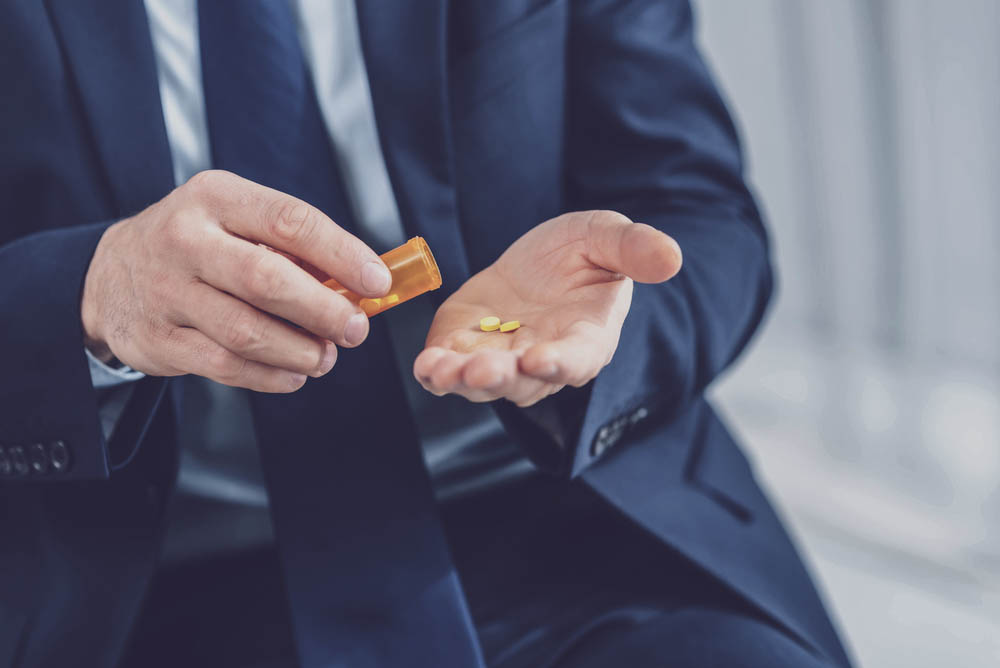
x: 104, y: 376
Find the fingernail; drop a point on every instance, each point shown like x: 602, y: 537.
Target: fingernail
x: 356, y: 330
x: 375, y: 278
x: 296, y: 380
x: 329, y: 358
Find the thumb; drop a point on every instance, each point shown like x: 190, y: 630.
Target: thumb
x: 643, y: 253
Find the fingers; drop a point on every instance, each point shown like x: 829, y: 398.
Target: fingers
x: 487, y: 375
x: 573, y: 359
x: 443, y: 371
x: 425, y: 363
x: 274, y: 284
x: 254, y: 335
x: 490, y: 371
x: 439, y: 370
x: 293, y: 226
x: 641, y: 252
x: 190, y: 351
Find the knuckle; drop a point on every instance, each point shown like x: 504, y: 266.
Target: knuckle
x: 350, y: 252
x: 290, y: 221
x: 606, y: 216
x: 207, y: 181
x: 244, y: 330
x: 263, y: 277
x: 184, y: 236
x: 225, y: 365
x: 176, y: 231
x: 331, y: 320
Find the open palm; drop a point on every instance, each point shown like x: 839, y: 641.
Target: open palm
x: 569, y: 283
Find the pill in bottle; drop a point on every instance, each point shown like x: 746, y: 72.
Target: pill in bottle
x: 413, y: 270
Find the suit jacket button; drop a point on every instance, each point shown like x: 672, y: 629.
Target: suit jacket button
x: 605, y: 439
x: 19, y: 461
x: 598, y: 447
x: 59, y: 456
x: 6, y: 468
x: 38, y: 457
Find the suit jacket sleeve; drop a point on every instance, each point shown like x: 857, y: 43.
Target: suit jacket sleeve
x: 649, y: 136
x: 50, y: 428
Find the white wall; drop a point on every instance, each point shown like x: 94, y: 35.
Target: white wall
x: 871, y: 401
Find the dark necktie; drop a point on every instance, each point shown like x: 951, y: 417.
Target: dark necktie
x: 365, y: 563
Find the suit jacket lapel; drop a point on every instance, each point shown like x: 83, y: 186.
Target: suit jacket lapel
x: 110, y: 53
x: 404, y: 45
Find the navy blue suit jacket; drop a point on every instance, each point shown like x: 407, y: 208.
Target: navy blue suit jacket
x: 493, y: 117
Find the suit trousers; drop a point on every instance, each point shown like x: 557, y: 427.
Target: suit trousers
x: 555, y: 578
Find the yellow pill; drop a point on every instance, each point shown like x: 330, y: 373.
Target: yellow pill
x: 510, y: 326
x: 392, y: 299
x: 489, y: 324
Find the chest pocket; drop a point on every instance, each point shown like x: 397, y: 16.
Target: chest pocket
x: 508, y: 105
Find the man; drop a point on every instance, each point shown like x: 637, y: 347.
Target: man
x: 570, y: 499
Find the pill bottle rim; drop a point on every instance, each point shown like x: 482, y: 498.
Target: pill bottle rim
x: 430, y: 264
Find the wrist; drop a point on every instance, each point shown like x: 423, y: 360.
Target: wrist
x: 90, y: 315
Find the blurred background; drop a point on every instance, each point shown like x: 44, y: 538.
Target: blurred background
x: 871, y: 401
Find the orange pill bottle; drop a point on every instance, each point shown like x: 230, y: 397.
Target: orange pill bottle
x: 414, y: 272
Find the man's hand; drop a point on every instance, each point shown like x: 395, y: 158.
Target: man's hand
x: 569, y: 282
x: 187, y: 286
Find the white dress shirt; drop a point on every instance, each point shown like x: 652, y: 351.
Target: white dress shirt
x: 221, y: 501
